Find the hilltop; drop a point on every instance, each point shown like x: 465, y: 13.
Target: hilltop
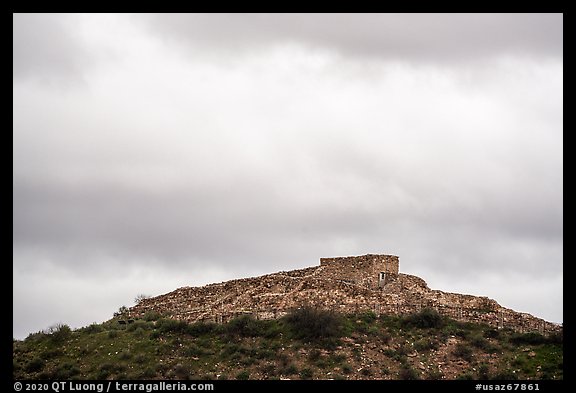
x: 344, y: 284
x: 349, y: 318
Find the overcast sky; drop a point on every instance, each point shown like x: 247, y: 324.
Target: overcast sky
x: 158, y: 151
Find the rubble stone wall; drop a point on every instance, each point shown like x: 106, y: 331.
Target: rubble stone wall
x: 347, y: 284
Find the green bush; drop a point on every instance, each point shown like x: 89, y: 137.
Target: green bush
x: 243, y: 375
x: 172, y: 326
x: 148, y: 372
x: 306, y: 373
x: 484, y: 371
x: 152, y: 316
x: 124, y: 355
x: 268, y: 370
x: 289, y: 369
x: 315, y: 324
x: 408, y: 373
x: 51, y: 353
x: 36, y: 336
x: 425, y: 344
x: 60, y: 333
x: 434, y: 375
x: 34, y: 365
x: 531, y: 338
x: 202, y: 328
x: 138, y: 324
x: 368, y: 317
x: 245, y: 326
x: 314, y: 355
x: 463, y: 351
x: 121, y: 311
x: 492, y: 333
x: 66, y: 370
x: 427, y: 318
x: 366, y: 372
x: 555, y: 338
x: 92, y: 328
x: 480, y: 342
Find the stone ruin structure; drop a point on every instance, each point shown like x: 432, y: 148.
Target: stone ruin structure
x: 344, y: 284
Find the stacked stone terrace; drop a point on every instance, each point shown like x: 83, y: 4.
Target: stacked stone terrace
x: 345, y: 284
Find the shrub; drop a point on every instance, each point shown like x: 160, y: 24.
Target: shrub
x: 124, y: 355
x: 315, y: 324
x: 152, y: 316
x: 399, y: 354
x: 462, y: 351
x: 121, y: 311
x: 408, y: 373
x: 314, y: 355
x: 139, y: 298
x: 425, y: 344
x: 338, y: 358
x: 434, y: 375
x: 368, y: 317
x: 202, y: 328
x: 36, y: 336
x: 52, y: 353
x: 306, y: 373
x: 92, y: 328
x: 172, y: 326
x: 366, y: 372
x: 138, y: 324
x: 289, y: 369
x: 531, y: 338
x: 245, y: 326
x: 181, y: 371
x: 480, y: 342
x: 384, y: 336
x: 427, y: 318
x: 492, y: 333
x: 268, y: 370
x: 60, y: 332
x: 243, y: 375
x: 66, y: 371
x: 484, y: 371
x: 34, y: 365
x: 555, y: 338
x: 148, y: 372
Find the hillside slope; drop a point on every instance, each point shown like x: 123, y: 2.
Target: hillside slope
x: 305, y: 344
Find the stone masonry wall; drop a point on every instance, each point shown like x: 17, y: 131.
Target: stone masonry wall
x: 343, y: 284
x: 365, y: 270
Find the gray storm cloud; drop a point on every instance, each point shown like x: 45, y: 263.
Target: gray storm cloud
x: 199, y: 148
x: 418, y: 37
